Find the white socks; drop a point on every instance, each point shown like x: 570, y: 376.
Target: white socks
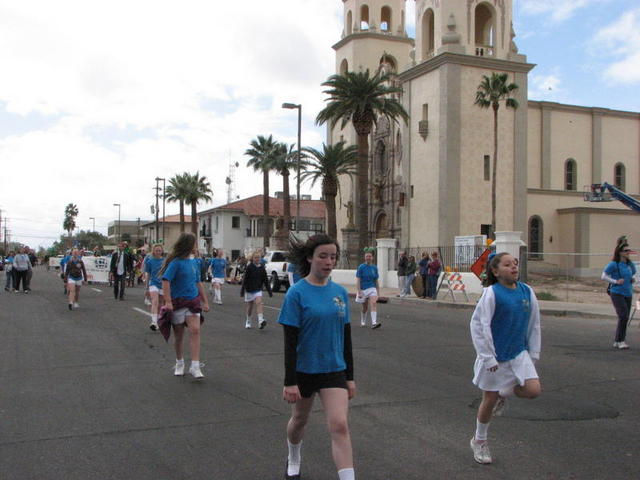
x: 294, y: 459
x: 260, y: 317
x: 347, y: 474
x: 154, y: 318
x: 218, y: 295
x: 195, y: 363
x: 363, y: 318
x: 374, y: 318
x: 482, y: 429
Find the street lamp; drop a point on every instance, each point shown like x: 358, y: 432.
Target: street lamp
x: 94, y: 223
x: 292, y: 106
x: 164, y: 199
x: 119, y: 233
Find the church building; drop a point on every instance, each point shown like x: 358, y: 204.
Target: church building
x: 430, y: 179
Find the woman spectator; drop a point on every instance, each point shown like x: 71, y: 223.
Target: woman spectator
x: 424, y: 269
x: 8, y: 270
x: 435, y: 266
x: 22, y: 265
x: 411, y: 275
x: 620, y: 273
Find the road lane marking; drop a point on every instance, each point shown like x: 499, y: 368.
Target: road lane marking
x: 272, y: 308
x: 141, y: 311
x: 96, y: 289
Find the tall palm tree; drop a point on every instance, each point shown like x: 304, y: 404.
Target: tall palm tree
x: 282, y: 163
x: 262, y: 151
x: 69, y: 223
x: 198, y: 189
x: 177, y: 192
x: 491, y: 91
x: 360, y: 98
x: 328, y: 165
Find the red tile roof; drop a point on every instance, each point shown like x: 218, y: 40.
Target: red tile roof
x: 252, y: 207
x: 172, y: 219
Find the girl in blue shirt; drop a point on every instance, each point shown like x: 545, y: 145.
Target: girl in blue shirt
x: 505, y: 329
x: 367, y: 286
x: 218, y: 266
x: 318, y: 356
x: 184, y: 295
x: 152, y: 266
x: 620, y: 273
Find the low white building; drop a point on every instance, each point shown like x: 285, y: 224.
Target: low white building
x: 237, y: 227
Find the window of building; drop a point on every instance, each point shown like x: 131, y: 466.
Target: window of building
x: 428, y: 35
x: 619, y: 176
x: 385, y: 19
x: 485, y: 229
x: 235, y: 254
x: 570, y: 174
x: 364, y: 17
x: 536, y: 244
x: 344, y: 67
x: 487, y: 168
x: 484, y: 25
x: 235, y: 222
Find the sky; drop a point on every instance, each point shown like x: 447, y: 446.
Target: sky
x: 97, y: 99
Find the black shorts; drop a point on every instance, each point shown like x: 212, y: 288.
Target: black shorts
x: 310, y: 383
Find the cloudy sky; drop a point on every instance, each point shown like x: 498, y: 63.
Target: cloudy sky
x: 99, y: 98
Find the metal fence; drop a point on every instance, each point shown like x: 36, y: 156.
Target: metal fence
x: 459, y: 258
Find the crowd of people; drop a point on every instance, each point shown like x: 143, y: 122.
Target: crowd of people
x: 18, y: 267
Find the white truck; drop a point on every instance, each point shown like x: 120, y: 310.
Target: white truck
x: 276, y: 267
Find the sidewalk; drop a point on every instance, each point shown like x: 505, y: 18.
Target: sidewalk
x: 591, y: 310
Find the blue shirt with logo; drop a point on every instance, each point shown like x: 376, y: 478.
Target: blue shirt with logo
x: 624, y: 270
x: 218, y: 267
x: 152, y: 266
x: 368, y: 274
x: 183, y: 275
x: 320, y: 313
x: 510, y: 322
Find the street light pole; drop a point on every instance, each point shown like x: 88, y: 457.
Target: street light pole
x: 299, y: 107
x: 119, y: 231
x: 164, y: 187
x: 94, y: 223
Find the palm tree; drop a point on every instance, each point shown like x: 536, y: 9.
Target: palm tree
x: 69, y: 223
x: 360, y: 99
x: 490, y: 92
x: 262, y: 151
x: 327, y: 165
x: 177, y: 192
x: 285, y: 160
x: 198, y: 189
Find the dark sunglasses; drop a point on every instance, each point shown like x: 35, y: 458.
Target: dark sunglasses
x: 625, y: 250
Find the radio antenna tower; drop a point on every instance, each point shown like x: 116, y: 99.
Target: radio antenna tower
x: 231, y: 182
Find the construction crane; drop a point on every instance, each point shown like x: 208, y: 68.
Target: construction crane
x: 604, y: 192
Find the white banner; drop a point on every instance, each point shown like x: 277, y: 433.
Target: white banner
x: 97, y: 269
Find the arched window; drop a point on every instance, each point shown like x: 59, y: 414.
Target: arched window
x: 388, y: 64
x: 381, y: 157
x: 385, y: 19
x: 364, y: 17
x: 619, y: 176
x: 536, y: 239
x: 344, y: 67
x: 349, y: 23
x: 485, y: 27
x: 428, y: 43
x: 570, y: 174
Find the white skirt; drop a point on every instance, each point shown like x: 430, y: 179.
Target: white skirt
x: 369, y: 292
x: 510, y: 373
x: 218, y: 280
x: 251, y: 296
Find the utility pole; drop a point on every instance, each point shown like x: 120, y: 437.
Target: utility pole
x: 164, y: 200
x: 157, y: 189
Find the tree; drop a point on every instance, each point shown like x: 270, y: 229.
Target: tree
x: 284, y: 160
x: 177, y: 192
x: 262, y: 151
x: 491, y: 91
x: 198, y: 189
x: 361, y: 99
x: 69, y: 223
x: 328, y: 165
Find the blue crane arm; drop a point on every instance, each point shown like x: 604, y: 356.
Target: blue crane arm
x: 618, y: 194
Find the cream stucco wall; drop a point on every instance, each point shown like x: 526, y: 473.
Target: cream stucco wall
x: 570, y: 138
x: 621, y: 143
x: 534, y: 147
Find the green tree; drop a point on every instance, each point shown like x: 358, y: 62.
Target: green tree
x: 360, y: 98
x: 285, y: 160
x: 261, y: 154
x: 177, y: 191
x: 328, y: 165
x: 69, y: 223
x: 491, y: 91
x: 198, y: 190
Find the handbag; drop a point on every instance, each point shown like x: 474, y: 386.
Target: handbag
x: 611, y: 284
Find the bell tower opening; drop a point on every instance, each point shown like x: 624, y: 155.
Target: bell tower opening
x: 485, y: 29
x: 428, y: 36
x: 385, y: 19
x: 364, y: 17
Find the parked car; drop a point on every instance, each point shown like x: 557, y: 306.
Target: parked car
x: 276, y: 267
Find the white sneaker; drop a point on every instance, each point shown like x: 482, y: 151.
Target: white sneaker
x: 262, y: 323
x: 363, y: 323
x: 219, y: 302
x: 178, y: 371
x: 481, y: 453
x: 623, y: 346
x: 147, y: 301
x: 195, y: 371
x: 75, y: 305
x: 616, y: 344
x: 247, y: 324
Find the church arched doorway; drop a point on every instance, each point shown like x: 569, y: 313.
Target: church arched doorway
x: 382, y: 226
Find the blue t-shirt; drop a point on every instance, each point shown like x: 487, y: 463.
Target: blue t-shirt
x: 622, y: 270
x: 292, y: 268
x: 424, y: 266
x: 64, y: 261
x: 510, y: 322
x: 368, y: 274
x: 321, y: 314
x: 218, y: 267
x: 183, y: 275
x: 152, y: 266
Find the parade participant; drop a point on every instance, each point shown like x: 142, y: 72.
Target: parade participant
x: 21, y: 267
x: 318, y: 353
x: 119, y: 269
x: 505, y: 329
x: 75, y: 275
x: 152, y: 266
x: 292, y: 273
x: 620, y: 273
x: 254, y: 278
x: 367, y: 286
x: 185, y: 298
x: 63, y: 264
x: 218, y: 267
x: 8, y: 271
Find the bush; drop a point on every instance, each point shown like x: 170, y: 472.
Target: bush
x: 547, y: 296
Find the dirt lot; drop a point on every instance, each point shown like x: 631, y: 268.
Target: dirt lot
x: 571, y: 290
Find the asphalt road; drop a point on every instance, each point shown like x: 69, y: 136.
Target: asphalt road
x: 90, y: 394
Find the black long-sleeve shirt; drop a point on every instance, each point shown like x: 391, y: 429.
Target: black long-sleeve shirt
x: 254, y: 278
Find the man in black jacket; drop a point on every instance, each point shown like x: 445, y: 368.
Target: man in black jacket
x: 121, y: 266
